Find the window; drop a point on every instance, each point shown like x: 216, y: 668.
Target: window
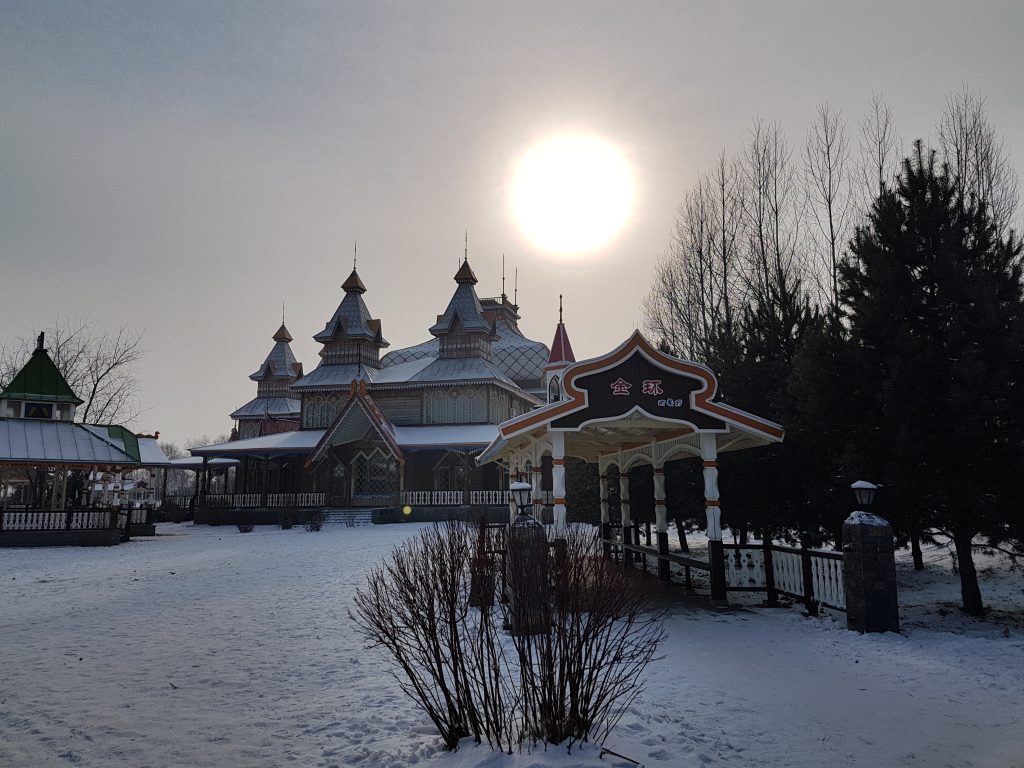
x: 38, y: 411
x: 372, y: 475
x: 554, y: 390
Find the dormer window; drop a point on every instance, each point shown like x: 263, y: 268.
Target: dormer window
x: 37, y: 410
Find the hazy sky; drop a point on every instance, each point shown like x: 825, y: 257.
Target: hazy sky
x: 184, y: 167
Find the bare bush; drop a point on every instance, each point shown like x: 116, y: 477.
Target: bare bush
x: 245, y: 527
x: 315, y: 521
x: 565, y: 680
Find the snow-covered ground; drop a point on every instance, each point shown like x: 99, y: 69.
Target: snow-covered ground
x: 206, y: 647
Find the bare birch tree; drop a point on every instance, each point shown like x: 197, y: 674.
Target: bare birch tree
x: 827, y: 187
x: 99, y: 367
x: 977, y: 157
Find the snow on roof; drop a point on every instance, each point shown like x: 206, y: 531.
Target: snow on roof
x: 300, y: 441
x: 60, y: 442
x: 150, y: 453
x: 259, y: 407
x: 446, y: 435
x: 196, y: 462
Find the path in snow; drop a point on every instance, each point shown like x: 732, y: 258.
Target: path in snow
x: 206, y: 647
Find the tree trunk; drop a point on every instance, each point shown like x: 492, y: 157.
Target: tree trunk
x: 970, y: 591
x: 684, y: 546
x: 915, y: 549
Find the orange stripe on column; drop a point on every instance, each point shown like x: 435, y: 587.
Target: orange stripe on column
x: 712, y: 503
x: 559, y: 500
x: 710, y: 463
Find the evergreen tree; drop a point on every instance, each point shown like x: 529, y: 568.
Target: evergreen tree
x: 935, y: 317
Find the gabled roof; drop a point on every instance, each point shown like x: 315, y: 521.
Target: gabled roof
x: 39, y: 379
x: 356, y: 417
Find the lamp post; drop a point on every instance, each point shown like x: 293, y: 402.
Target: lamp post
x: 521, y: 493
x: 864, y: 492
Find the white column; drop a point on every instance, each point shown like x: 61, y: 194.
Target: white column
x: 605, y: 518
x: 624, y: 497
x: 558, y: 476
x: 660, y: 510
x: 709, y: 453
x: 537, y: 496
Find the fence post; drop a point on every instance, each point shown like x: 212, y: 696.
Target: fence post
x: 67, y: 520
x: 772, y: 597
x: 606, y: 535
x: 808, y: 574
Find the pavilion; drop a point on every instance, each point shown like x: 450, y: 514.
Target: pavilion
x: 635, y: 405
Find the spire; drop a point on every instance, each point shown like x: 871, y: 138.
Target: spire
x: 561, y: 349
x: 282, y: 333
x: 504, y: 296
x: 353, y: 283
x: 465, y: 248
x: 465, y: 274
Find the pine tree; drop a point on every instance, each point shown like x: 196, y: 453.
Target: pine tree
x: 935, y: 316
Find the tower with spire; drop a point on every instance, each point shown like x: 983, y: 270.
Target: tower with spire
x: 463, y: 330
x: 39, y: 391
x: 274, y: 401
x: 352, y: 341
x: 561, y: 357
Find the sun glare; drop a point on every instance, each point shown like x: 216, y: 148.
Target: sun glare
x: 572, y: 193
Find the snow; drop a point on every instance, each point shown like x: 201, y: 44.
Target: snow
x: 207, y: 647
x: 866, y: 518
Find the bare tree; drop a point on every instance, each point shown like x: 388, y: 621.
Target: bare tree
x: 977, y: 157
x: 827, y: 187
x: 879, y: 151
x: 98, y: 366
x: 773, y: 212
x: 698, y: 287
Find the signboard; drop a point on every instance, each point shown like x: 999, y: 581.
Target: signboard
x: 637, y: 382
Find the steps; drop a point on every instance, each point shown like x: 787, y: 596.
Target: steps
x: 349, y: 516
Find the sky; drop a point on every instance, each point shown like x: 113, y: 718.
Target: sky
x: 184, y: 168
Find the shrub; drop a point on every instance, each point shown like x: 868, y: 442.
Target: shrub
x: 245, y: 527
x: 316, y: 519
x: 564, y: 676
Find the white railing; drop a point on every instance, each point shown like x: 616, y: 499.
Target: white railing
x: 828, y: 579
x: 179, y: 499
x: 280, y: 499
x: 246, y: 500
x: 489, y: 498
x: 788, y: 571
x: 432, y: 498
x: 309, y: 499
x: 744, y: 568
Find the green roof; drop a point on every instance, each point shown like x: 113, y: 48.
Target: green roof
x: 40, y: 380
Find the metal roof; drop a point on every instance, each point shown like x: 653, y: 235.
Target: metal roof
x: 352, y: 319
x: 39, y: 379
x: 280, y: 364
x: 334, y: 376
x: 269, y: 406
x: 64, y: 442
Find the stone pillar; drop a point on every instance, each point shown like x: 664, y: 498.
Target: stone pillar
x: 661, y: 522
x: 869, y: 570
x: 558, y: 477
x: 713, y: 510
x: 627, y: 530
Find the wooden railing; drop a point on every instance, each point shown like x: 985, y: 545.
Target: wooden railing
x: 489, y: 498
x: 812, y: 576
x: 295, y: 499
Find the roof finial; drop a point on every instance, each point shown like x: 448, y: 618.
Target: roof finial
x: 559, y: 309
x: 39, y: 341
x: 282, y: 313
x: 355, y: 253
x: 515, y: 289
x: 465, y: 251
x: 503, y: 294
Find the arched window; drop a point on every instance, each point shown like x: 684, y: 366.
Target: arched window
x: 554, y: 390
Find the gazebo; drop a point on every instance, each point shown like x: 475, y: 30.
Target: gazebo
x: 635, y: 405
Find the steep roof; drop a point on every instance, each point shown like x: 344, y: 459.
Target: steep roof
x: 464, y: 308
x: 561, y: 349
x: 39, y: 379
x: 352, y: 319
x: 280, y: 363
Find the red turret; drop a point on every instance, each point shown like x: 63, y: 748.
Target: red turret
x: 561, y: 357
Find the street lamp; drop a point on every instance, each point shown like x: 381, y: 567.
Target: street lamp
x: 521, y: 493
x: 864, y: 492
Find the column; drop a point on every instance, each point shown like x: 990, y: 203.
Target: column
x: 713, y: 509
x: 627, y: 531
x: 536, y: 494
x: 606, y: 532
x: 661, y: 521
x: 558, y: 477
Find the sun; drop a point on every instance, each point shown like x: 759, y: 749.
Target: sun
x: 571, y: 193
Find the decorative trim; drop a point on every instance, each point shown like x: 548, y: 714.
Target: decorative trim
x: 712, y: 503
